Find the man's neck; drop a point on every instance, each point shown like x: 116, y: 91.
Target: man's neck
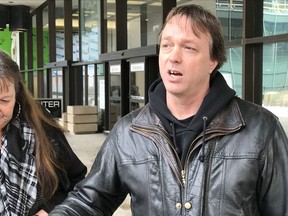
x: 183, y: 108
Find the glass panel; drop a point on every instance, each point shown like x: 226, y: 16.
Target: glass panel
x: 111, y: 25
x: 34, y: 44
x: 101, y: 96
x: 91, y: 85
x: 59, y: 22
x: 57, y: 83
x: 115, y: 93
x: 84, y: 84
x: 275, y: 13
x: 275, y: 80
x: 90, y: 30
x: 137, y: 87
x: 230, y: 14
x: 45, y: 36
x: 232, y: 69
x: 88, y: 74
x: 144, y: 22
x: 45, y: 49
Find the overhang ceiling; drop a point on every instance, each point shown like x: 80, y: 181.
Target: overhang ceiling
x: 33, y: 4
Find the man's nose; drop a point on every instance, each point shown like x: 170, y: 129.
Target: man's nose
x: 175, y: 55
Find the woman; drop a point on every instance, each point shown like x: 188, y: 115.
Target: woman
x: 38, y: 167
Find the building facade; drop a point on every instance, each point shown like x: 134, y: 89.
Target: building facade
x: 96, y: 52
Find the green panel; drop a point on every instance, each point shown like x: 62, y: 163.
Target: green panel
x: 45, y: 47
x: 5, y: 40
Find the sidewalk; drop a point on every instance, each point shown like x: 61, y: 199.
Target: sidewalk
x: 86, y: 146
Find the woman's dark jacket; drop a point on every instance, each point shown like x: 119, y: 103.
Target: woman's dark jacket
x: 236, y: 165
x: 73, y: 169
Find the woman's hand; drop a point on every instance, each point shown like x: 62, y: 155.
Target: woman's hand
x: 41, y: 213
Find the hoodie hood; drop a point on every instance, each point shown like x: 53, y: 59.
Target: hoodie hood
x: 182, y: 134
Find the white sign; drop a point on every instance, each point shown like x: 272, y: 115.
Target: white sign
x: 137, y: 67
x: 115, y: 68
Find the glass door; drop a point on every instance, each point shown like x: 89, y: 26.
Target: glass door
x: 57, y: 82
x: 114, y: 92
x: 137, y: 83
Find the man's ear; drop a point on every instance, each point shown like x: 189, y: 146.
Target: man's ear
x: 213, y: 65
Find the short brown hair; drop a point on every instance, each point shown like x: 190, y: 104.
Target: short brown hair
x: 204, y: 21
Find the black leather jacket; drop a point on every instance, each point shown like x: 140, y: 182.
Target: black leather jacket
x: 244, y: 171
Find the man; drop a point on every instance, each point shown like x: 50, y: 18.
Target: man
x: 195, y: 148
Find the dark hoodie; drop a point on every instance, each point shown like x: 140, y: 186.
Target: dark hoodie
x: 183, y: 132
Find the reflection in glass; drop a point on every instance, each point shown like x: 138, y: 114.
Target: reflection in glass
x: 90, y: 31
x: 100, y: 96
x: 91, y: 84
x: 275, y: 74
x: 34, y: 53
x: 57, y: 83
x: 84, y: 75
x: 232, y: 69
x: 230, y: 14
x: 60, y: 49
x: 144, y: 20
x: 111, y: 25
x: 45, y: 36
x: 137, y: 88
x: 275, y: 17
x: 143, y: 25
x: 275, y: 80
x: 115, y: 93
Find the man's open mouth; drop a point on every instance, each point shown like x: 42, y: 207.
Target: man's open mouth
x: 175, y: 73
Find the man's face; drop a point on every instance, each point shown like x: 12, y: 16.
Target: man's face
x: 184, y: 59
x: 7, y: 103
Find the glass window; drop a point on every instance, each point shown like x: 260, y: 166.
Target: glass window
x: 115, y: 92
x: 34, y: 44
x: 232, y: 69
x: 101, y: 86
x: 60, y: 38
x: 59, y: 23
x: 57, y: 83
x: 144, y: 22
x: 75, y: 31
x: 111, y: 25
x: 90, y: 30
x: 230, y: 14
x: 84, y: 80
x: 137, y: 84
x: 275, y: 14
x: 45, y: 36
x: 100, y: 96
x: 275, y: 80
x: 91, y: 84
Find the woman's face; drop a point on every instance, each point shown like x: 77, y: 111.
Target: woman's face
x: 7, y: 102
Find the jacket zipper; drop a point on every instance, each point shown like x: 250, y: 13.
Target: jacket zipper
x: 146, y: 132
x: 197, y: 142
x: 183, y: 177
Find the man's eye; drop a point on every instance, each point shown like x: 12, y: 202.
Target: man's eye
x: 165, y: 45
x: 189, y: 48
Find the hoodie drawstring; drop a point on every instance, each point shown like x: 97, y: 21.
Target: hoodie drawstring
x: 205, y: 169
x: 202, y: 156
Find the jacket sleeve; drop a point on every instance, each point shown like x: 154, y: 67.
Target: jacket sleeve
x: 74, y: 169
x: 273, y: 197
x: 100, y: 193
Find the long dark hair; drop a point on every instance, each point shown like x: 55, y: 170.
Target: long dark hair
x: 31, y: 111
